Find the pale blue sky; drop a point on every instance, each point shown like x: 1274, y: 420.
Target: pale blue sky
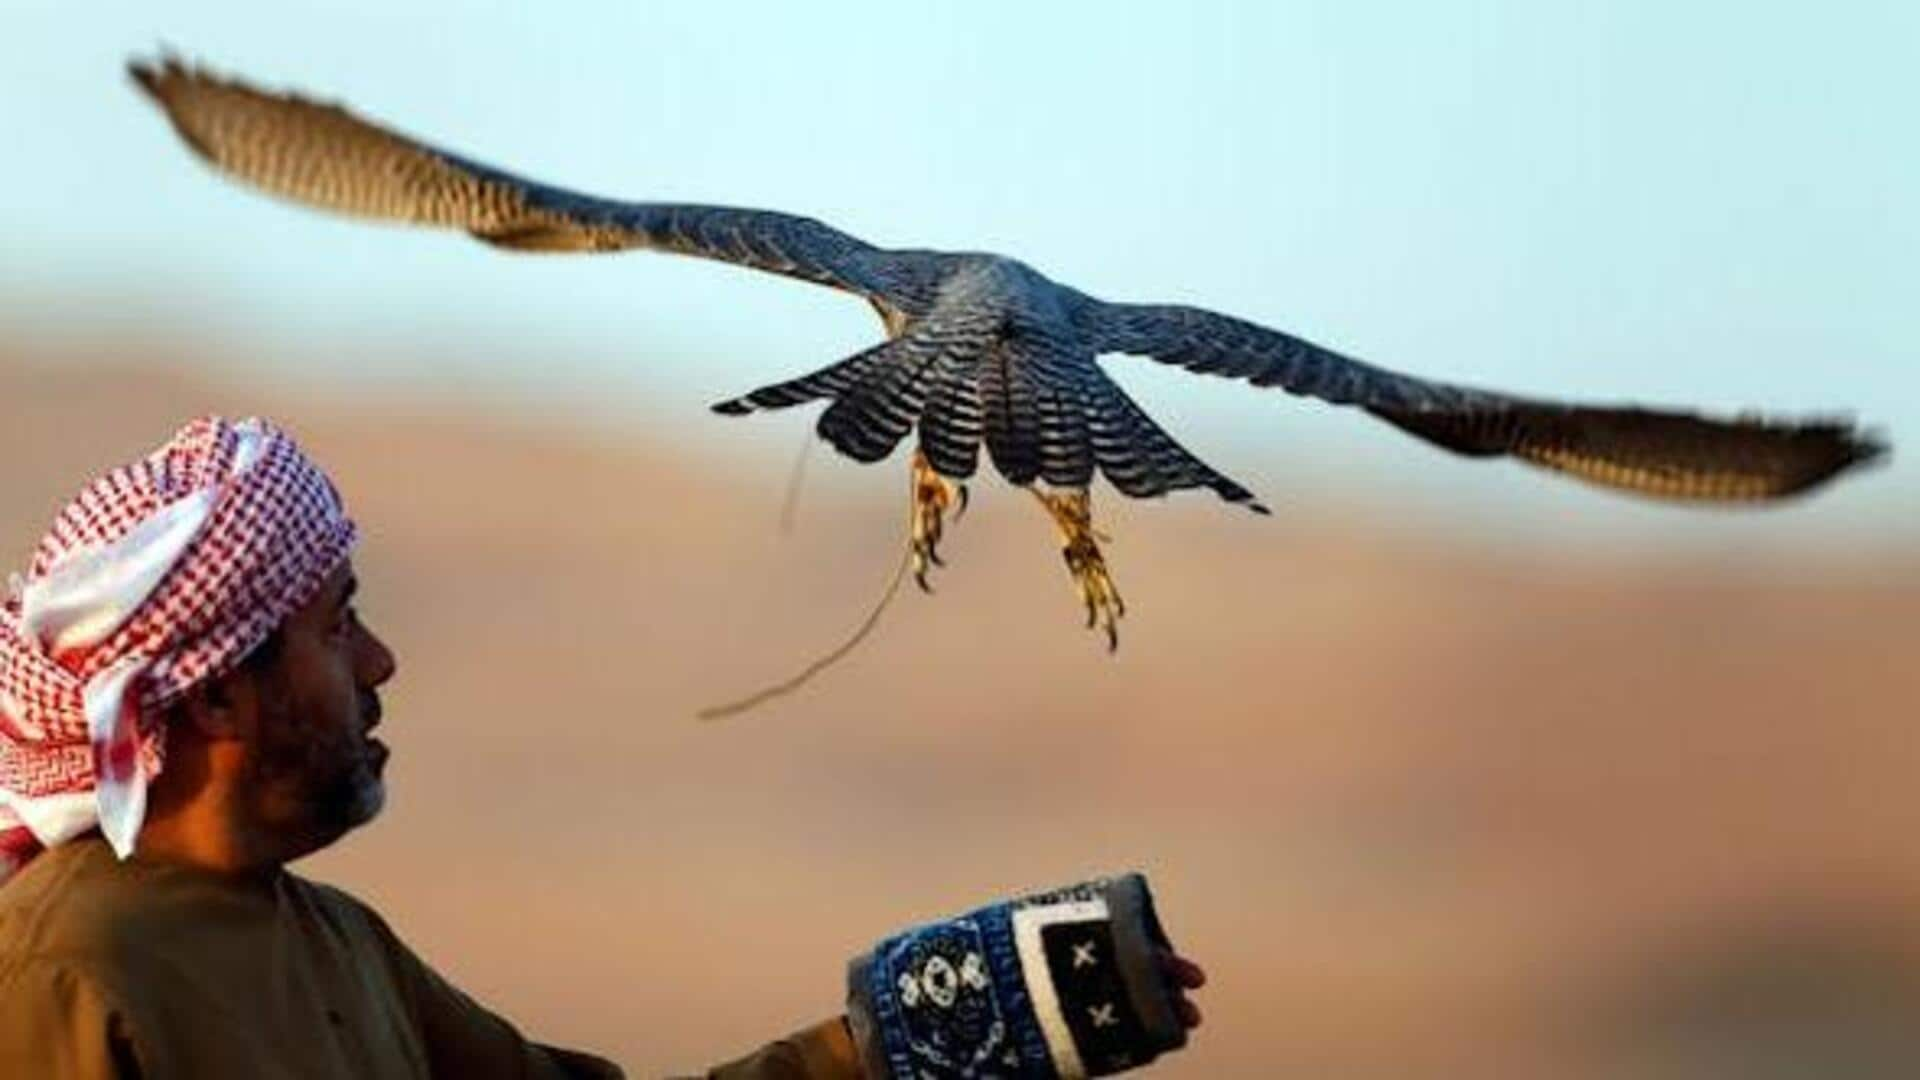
x: 1705, y: 203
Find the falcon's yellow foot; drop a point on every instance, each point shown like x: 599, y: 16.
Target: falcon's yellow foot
x: 1072, y: 513
x: 933, y: 495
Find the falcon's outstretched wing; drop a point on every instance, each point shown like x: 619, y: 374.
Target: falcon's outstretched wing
x: 1665, y: 454
x: 324, y: 156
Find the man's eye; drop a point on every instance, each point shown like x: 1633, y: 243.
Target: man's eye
x: 347, y: 618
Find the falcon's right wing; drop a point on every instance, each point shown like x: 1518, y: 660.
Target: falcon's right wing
x: 324, y: 156
x: 1665, y: 454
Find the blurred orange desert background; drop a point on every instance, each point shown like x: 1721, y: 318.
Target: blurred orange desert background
x: 1424, y: 801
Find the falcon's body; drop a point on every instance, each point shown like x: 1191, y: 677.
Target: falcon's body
x: 982, y: 348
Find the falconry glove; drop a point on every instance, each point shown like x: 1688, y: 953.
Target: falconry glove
x: 1061, y: 984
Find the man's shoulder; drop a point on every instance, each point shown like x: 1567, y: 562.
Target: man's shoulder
x: 65, y: 917
x: 79, y: 907
x: 66, y: 900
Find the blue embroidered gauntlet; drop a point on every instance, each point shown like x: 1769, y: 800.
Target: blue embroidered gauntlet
x: 1055, y: 986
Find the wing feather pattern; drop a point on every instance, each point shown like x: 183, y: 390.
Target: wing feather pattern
x: 1663, y: 454
x: 324, y: 156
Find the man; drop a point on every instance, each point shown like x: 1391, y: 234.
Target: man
x: 187, y: 697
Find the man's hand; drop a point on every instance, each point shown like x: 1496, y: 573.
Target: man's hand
x: 1183, y: 975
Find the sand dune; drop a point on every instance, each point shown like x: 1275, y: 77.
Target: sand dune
x: 1423, y: 807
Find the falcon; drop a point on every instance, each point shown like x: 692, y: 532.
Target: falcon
x: 981, y: 348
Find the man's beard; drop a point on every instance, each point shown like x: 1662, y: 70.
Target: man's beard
x: 327, y: 785
x: 352, y: 798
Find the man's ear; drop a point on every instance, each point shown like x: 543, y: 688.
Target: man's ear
x: 221, y: 708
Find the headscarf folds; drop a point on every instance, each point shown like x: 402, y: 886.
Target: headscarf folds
x: 159, y: 575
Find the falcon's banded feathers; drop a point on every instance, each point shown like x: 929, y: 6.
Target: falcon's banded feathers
x: 981, y: 347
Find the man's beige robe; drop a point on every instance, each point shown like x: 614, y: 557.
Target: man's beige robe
x: 112, y: 969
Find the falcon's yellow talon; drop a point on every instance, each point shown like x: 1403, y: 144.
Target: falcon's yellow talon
x: 931, y: 496
x: 1072, y: 513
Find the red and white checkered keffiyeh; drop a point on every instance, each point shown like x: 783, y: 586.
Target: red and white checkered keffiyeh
x: 161, y: 574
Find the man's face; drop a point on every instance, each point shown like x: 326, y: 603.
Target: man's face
x: 313, y: 765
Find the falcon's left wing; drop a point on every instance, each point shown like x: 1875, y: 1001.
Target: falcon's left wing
x: 1664, y: 454
x: 324, y: 156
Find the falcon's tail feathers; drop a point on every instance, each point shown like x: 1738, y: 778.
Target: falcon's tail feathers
x: 832, y: 381
x: 870, y: 420
x: 950, y: 427
x: 1142, y: 460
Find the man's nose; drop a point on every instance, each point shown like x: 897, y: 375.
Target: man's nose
x: 376, y: 662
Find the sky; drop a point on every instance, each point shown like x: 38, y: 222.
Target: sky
x: 1709, y: 204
